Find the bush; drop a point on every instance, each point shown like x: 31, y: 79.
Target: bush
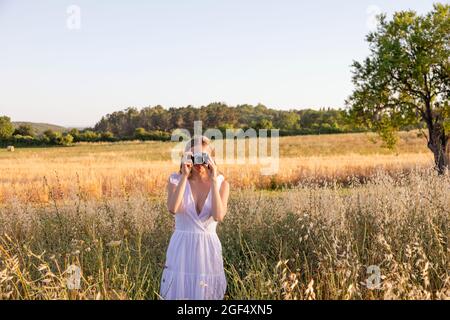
x: 108, y: 136
x: 89, y: 136
x: 142, y: 134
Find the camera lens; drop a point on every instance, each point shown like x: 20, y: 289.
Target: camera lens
x: 198, y: 159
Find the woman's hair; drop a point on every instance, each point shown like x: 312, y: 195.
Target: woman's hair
x: 200, y: 141
x: 197, y: 141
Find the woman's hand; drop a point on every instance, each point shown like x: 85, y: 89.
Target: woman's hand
x: 212, y: 169
x: 186, y: 164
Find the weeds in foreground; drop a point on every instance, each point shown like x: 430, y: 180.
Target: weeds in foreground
x: 384, y: 239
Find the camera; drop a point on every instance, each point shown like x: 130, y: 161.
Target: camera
x: 199, y: 158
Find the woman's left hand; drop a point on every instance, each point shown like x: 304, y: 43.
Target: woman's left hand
x: 212, y: 169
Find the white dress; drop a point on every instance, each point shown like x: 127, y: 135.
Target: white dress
x: 194, y: 264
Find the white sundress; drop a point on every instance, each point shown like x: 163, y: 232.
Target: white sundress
x: 194, y: 265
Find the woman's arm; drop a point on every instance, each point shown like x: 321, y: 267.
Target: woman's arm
x: 220, y: 195
x: 175, y: 192
x: 219, y: 199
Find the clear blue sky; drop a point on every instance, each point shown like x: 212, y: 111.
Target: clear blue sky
x: 284, y: 54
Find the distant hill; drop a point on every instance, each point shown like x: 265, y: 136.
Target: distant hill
x: 39, y: 128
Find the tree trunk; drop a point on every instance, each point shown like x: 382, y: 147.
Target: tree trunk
x: 439, y: 145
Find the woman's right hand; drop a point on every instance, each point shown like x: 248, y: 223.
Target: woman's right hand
x: 186, y: 164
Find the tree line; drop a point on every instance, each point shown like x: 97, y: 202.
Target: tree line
x: 157, y: 123
x: 25, y: 135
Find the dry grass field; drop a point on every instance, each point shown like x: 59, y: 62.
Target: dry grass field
x: 339, y: 206
x: 95, y: 171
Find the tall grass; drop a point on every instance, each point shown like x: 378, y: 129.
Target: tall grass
x: 314, y: 241
x: 114, y: 170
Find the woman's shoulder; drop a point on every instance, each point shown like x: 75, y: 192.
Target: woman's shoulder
x: 221, y: 178
x: 223, y: 183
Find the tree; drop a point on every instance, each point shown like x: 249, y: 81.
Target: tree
x: 24, y: 130
x: 406, y: 79
x: 288, y: 120
x: 157, y: 119
x: 51, y: 137
x: 263, y: 124
x: 75, y: 133
x: 6, y: 128
x: 309, y: 117
x: 140, y: 133
x: 65, y: 139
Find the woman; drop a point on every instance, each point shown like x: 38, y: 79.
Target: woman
x: 198, y: 197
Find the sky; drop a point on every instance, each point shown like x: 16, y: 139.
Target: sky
x: 71, y: 62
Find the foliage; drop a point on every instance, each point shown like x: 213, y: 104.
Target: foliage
x: 57, y: 138
x: 123, y: 124
x: 142, y: 134
x: 6, y: 128
x: 406, y: 79
x: 24, y: 130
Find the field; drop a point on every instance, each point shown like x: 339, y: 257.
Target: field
x: 95, y: 171
x: 340, y: 207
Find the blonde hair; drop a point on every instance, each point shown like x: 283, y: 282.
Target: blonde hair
x: 203, y: 141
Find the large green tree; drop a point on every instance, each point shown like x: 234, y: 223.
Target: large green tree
x: 406, y: 79
x: 6, y: 128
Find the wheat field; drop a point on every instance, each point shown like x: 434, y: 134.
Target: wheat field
x: 340, y: 206
x: 96, y: 171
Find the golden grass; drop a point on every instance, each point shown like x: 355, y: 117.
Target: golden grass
x: 309, y: 242
x: 94, y: 171
x: 351, y: 205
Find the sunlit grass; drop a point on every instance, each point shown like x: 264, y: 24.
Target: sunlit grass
x: 338, y: 205
x: 309, y: 242
x: 107, y: 169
